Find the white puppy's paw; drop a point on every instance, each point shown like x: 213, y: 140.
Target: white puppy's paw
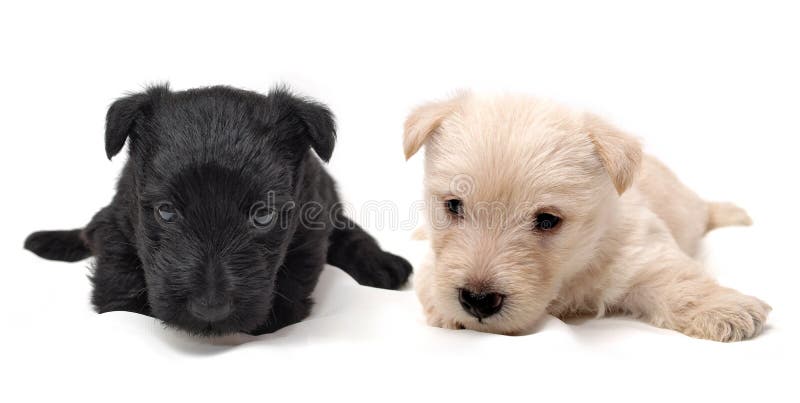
x: 741, y: 318
x: 437, y: 320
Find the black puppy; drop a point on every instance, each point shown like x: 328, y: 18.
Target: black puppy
x: 223, y: 218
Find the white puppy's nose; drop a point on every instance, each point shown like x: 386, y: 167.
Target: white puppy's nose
x: 480, y: 305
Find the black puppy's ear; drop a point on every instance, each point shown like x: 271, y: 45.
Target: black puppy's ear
x: 315, y: 120
x: 124, y: 114
x: 321, y: 127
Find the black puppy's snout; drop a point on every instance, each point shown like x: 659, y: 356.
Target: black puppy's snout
x: 207, y: 310
x: 480, y: 305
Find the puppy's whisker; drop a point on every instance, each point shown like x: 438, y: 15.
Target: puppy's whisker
x: 121, y: 243
x: 282, y: 296
x: 300, y: 246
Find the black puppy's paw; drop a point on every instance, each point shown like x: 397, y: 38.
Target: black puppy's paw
x: 384, y: 270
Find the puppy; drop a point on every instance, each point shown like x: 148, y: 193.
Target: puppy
x: 534, y: 209
x: 223, y: 217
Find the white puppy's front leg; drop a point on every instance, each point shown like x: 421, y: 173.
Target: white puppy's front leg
x: 672, y: 291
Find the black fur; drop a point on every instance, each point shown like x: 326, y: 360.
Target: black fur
x: 68, y: 246
x: 216, y: 154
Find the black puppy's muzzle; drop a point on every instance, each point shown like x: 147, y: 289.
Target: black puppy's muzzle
x: 209, y: 310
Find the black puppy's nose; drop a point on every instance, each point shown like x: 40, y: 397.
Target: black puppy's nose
x: 210, y: 311
x: 480, y: 305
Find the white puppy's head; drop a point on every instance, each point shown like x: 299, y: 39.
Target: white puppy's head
x: 519, y: 193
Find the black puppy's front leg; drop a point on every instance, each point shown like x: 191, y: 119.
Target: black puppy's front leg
x: 118, y: 277
x: 357, y: 253
x: 296, y: 280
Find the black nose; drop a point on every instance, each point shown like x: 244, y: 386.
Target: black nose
x: 480, y: 305
x: 210, y: 311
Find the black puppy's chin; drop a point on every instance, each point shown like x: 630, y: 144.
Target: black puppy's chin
x: 231, y: 325
x: 243, y: 318
x: 204, y: 330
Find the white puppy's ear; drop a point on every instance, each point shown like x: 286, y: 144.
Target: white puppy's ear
x: 423, y: 121
x: 621, y: 153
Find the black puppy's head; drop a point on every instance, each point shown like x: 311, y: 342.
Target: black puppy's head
x: 215, y: 175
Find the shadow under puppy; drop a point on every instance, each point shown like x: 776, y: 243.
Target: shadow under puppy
x: 534, y: 208
x: 223, y: 217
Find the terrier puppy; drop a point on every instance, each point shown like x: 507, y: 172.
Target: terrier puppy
x: 534, y: 209
x: 223, y: 217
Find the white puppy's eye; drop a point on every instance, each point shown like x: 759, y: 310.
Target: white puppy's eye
x: 455, y: 207
x: 546, y: 222
x: 262, y: 216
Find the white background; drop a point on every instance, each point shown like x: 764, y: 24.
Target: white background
x: 710, y: 88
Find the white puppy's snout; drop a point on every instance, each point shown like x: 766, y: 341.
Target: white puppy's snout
x: 480, y: 297
x: 480, y: 304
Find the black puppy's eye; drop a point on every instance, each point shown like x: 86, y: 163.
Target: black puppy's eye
x: 166, y: 212
x: 455, y: 207
x: 546, y: 222
x: 262, y: 216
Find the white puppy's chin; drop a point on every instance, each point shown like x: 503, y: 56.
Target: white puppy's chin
x: 503, y: 325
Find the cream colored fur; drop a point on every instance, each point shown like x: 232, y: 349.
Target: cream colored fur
x: 626, y: 244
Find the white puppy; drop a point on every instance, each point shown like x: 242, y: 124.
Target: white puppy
x: 534, y: 209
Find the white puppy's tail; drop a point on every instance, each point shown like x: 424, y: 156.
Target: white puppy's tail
x: 722, y: 214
